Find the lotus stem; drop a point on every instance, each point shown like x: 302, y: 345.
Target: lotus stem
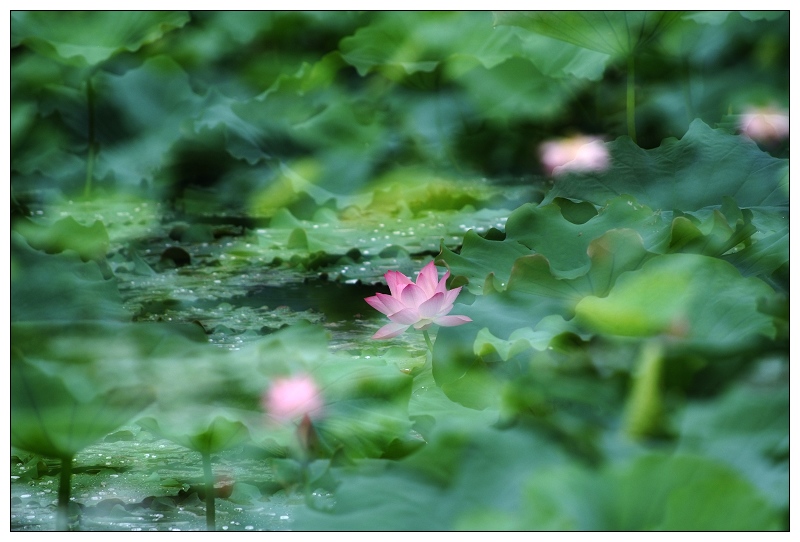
x: 211, y: 524
x: 64, y: 490
x: 645, y: 411
x: 631, y: 98
x: 92, y: 152
x: 427, y: 339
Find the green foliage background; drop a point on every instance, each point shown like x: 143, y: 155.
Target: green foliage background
x: 176, y: 177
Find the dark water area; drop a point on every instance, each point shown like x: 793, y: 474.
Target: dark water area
x: 337, y: 301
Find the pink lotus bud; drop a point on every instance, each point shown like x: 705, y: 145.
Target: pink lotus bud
x: 292, y: 398
x: 578, y: 153
x: 420, y: 304
x: 764, y: 124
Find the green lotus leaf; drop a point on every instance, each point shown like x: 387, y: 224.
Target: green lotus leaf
x: 402, y: 44
x: 522, y: 339
x: 545, y: 231
x: 763, y: 257
x: 92, y: 357
x: 90, y: 242
x: 697, y: 171
x: 609, y: 32
x: 90, y: 37
x: 694, y: 297
x: 479, y: 257
x: 62, y: 286
x: 653, y: 492
x: 515, y: 89
x: 745, y: 428
x: 720, y: 237
x: 684, y: 492
x: 556, y: 58
x: 47, y: 418
x: 153, y: 102
x: 216, y: 435
x: 458, y: 474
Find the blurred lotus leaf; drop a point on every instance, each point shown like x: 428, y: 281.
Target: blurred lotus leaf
x: 49, y: 418
x: 610, y: 32
x: 690, y: 297
x: 89, y: 38
x: 208, y: 434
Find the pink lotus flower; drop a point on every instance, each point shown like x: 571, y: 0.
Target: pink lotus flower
x: 578, y: 153
x: 420, y: 305
x: 291, y: 398
x: 764, y: 124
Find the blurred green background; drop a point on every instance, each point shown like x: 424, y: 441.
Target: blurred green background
x: 200, y: 202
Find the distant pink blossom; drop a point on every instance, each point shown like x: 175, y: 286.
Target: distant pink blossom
x: 578, y: 153
x: 291, y: 398
x: 419, y: 304
x: 764, y: 124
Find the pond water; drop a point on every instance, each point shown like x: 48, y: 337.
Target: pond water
x: 239, y: 285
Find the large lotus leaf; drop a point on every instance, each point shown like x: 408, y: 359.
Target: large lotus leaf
x: 747, y: 428
x: 754, y: 242
x: 90, y: 242
x: 90, y: 37
x: 691, y: 297
x: 612, y: 32
x: 310, y: 77
x: 47, y: 418
x: 685, y: 493
x: 725, y: 229
x: 763, y: 257
x: 556, y: 58
x: 478, y: 258
x: 515, y: 89
x: 61, y: 286
x: 697, y: 298
x: 153, y: 102
x: 429, y: 406
x: 386, y: 46
x: 534, y: 290
x: 536, y: 299
x: 545, y: 231
x: 770, y: 250
x: 463, y: 376
x: 697, y: 171
x: 243, y: 139
x: 210, y: 433
x: 653, y: 492
x: 399, y: 44
x: 522, y: 339
x: 462, y: 41
x: 566, y: 498
x: 91, y: 357
x: 456, y: 475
